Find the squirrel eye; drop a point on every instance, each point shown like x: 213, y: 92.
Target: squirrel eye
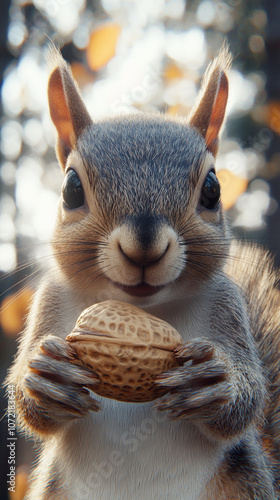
x: 72, y: 190
x: 210, y: 193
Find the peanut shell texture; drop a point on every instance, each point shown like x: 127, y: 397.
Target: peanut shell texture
x: 126, y: 347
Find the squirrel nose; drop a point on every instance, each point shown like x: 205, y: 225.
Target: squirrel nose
x: 143, y: 258
x: 144, y: 240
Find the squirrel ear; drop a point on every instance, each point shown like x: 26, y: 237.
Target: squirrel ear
x: 67, y: 109
x: 209, y: 113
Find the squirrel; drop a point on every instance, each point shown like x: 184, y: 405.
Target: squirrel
x: 140, y: 220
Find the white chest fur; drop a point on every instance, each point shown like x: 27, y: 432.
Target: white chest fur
x: 132, y: 451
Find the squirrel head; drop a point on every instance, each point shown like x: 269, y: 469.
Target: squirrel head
x: 140, y: 212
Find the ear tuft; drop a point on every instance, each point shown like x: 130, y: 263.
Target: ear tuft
x: 67, y: 108
x: 222, y: 62
x: 54, y: 57
x: 208, y: 114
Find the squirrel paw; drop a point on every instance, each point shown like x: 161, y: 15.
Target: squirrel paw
x: 57, y: 385
x: 199, y: 388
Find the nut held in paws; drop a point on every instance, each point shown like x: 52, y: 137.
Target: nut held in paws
x: 126, y: 347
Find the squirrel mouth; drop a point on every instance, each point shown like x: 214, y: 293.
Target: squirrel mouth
x: 140, y: 290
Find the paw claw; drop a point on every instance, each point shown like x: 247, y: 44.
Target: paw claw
x: 59, y: 386
x: 200, y: 387
x: 57, y: 348
x: 197, y: 351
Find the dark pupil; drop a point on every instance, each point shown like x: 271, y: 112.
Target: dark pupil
x: 72, y: 190
x: 210, y: 195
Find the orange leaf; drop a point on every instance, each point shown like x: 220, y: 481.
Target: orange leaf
x: 13, y: 310
x: 178, y: 110
x: 173, y: 72
x: 81, y: 74
x: 102, y: 45
x: 232, y: 187
x: 21, y: 484
x: 273, y: 116
x: 173, y: 110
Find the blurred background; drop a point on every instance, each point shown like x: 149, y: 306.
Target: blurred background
x: 127, y: 56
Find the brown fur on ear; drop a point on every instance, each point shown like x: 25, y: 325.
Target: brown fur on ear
x: 67, y: 109
x: 207, y: 117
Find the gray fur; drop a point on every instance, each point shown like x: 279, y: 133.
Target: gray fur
x: 151, y: 163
